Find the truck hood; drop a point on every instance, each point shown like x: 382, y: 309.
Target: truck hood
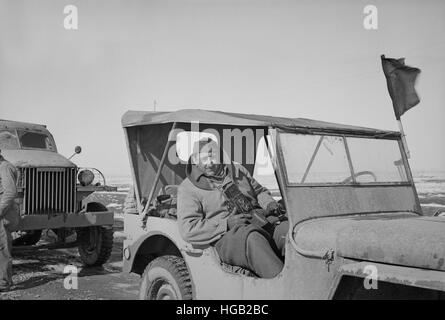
x: 404, y: 239
x: 36, y: 158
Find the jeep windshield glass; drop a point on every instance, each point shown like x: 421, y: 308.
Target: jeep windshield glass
x: 35, y: 140
x: 324, y: 159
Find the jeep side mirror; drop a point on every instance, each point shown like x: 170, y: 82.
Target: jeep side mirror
x: 77, y: 150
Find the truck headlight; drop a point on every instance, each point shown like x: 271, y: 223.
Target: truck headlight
x: 85, y: 177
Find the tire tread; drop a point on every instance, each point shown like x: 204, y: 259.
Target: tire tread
x: 178, y: 269
x: 106, y: 244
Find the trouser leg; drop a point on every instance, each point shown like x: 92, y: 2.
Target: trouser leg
x: 279, y: 236
x: 5, y: 256
x: 261, y: 257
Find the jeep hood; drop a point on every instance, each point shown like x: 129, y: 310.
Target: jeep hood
x: 36, y: 158
x: 404, y: 239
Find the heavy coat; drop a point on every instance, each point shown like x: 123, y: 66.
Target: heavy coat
x: 8, y: 193
x: 203, y: 210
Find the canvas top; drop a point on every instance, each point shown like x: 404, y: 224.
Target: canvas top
x: 140, y: 118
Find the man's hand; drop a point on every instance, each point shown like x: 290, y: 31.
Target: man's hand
x: 237, y: 219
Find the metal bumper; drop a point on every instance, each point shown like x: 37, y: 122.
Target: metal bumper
x: 90, y: 189
x: 71, y: 220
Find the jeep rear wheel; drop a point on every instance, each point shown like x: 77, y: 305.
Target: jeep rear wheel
x: 95, y: 245
x: 166, y: 278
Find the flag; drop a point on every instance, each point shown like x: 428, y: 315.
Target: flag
x: 400, y: 79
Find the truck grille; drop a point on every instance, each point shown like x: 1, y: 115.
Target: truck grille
x: 49, y: 190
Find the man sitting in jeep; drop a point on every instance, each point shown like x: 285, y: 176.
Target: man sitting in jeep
x: 221, y: 204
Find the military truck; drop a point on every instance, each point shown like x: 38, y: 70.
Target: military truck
x: 356, y: 228
x: 53, y: 193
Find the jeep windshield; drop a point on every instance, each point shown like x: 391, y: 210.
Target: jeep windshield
x: 23, y: 139
x: 333, y: 159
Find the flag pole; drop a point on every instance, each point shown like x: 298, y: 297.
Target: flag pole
x: 402, y: 132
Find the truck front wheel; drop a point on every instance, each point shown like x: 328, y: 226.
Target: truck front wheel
x: 95, y: 245
x: 166, y: 278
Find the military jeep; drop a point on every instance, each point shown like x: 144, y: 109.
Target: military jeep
x: 52, y: 195
x: 356, y: 226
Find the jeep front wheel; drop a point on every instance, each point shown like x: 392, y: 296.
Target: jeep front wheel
x: 95, y: 245
x: 166, y: 278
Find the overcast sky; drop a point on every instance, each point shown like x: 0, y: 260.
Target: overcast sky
x: 310, y: 59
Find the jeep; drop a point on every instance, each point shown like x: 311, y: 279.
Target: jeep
x: 356, y: 228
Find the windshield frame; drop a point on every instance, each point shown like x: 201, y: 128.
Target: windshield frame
x: 353, y: 183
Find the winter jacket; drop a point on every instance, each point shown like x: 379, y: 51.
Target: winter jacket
x: 8, y: 192
x: 202, y: 208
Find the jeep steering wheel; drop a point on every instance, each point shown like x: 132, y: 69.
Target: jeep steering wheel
x: 361, y: 173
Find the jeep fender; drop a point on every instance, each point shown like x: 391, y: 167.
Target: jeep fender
x: 160, y: 238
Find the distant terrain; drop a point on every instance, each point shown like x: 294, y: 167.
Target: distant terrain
x: 431, y: 190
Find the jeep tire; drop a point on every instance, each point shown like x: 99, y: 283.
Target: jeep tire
x: 95, y: 245
x: 166, y: 278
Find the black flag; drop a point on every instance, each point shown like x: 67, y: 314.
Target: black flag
x: 400, y: 80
